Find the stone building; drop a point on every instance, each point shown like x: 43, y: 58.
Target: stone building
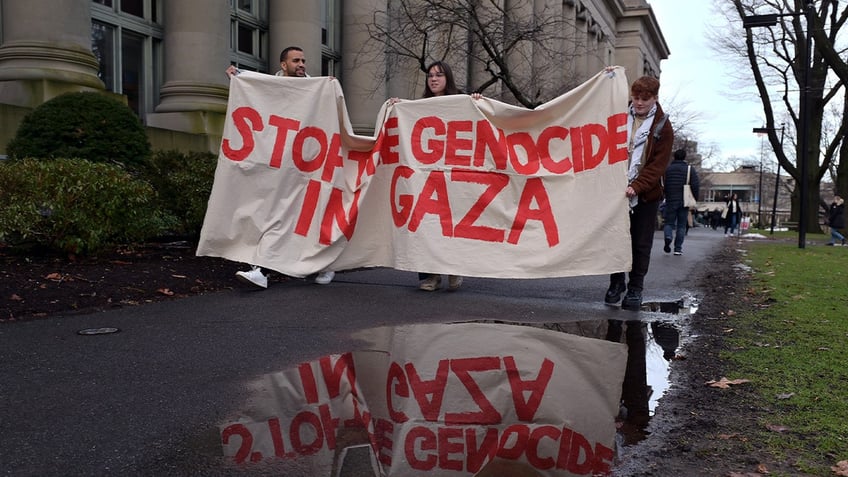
x: 166, y: 59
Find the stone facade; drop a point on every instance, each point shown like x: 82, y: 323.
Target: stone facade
x: 47, y: 49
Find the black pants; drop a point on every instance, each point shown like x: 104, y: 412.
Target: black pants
x: 643, y: 224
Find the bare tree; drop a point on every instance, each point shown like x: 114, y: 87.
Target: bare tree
x: 824, y: 34
x: 775, y: 56
x: 527, y: 52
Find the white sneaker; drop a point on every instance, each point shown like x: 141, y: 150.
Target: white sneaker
x: 324, y: 277
x: 253, y: 277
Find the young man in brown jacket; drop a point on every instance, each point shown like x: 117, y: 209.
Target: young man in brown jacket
x: 649, y: 144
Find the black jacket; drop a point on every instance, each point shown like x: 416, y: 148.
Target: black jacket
x: 675, y: 178
x: 836, y: 217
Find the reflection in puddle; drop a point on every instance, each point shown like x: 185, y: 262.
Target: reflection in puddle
x: 652, y: 344
x: 449, y: 399
x: 473, y: 398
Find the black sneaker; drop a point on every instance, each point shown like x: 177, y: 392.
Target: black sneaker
x: 667, y: 248
x: 632, y: 300
x: 614, y: 293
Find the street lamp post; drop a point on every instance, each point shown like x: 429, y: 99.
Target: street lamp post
x: 752, y: 21
x: 776, y: 181
x: 760, y: 192
x: 765, y: 130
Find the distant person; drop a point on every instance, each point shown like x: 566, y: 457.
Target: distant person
x: 292, y: 63
x: 439, y: 82
x: 715, y: 219
x: 676, y: 214
x: 836, y: 220
x: 649, y: 142
x: 734, y: 213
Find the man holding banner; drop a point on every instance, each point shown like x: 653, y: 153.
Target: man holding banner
x: 292, y: 63
x: 649, y: 142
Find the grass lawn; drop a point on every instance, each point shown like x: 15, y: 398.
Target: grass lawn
x: 793, y: 346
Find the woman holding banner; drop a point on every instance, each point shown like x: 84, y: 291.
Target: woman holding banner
x: 439, y: 82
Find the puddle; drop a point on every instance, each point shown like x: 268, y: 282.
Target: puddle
x: 653, y: 342
x: 478, y: 397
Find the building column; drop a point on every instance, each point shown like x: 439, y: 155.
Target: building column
x: 295, y: 23
x: 44, y: 53
x: 193, y: 97
x: 364, y: 86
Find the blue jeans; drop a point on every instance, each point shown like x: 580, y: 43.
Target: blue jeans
x: 730, y: 223
x: 835, y: 235
x: 675, y: 217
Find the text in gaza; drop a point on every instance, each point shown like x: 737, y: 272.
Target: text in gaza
x: 433, y: 140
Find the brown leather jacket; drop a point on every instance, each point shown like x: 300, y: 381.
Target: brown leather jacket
x: 657, y: 157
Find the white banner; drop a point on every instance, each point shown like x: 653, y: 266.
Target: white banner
x: 448, y: 184
x: 450, y: 399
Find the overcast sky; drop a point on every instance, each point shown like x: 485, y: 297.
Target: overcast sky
x: 694, y: 75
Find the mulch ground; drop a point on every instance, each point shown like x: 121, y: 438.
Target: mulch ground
x: 34, y: 286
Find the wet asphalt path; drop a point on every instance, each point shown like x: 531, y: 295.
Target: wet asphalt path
x: 148, y: 400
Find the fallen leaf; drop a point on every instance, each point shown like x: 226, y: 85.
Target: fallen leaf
x: 785, y: 395
x: 15, y: 297
x: 823, y: 348
x: 841, y: 468
x: 776, y: 428
x: 762, y: 469
x: 731, y: 313
x: 165, y: 291
x: 53, y: 276
x: 727, y: 330
x: 725, y: 437
x: 725, y: 383
x: 179, y: 276
x: 119, y: 262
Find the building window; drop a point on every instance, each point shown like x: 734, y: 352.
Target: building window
x: 126, y: 38
x: 331, y: 14
x: 133, y: 7
x: 249, y: 34
x: 103, y: 47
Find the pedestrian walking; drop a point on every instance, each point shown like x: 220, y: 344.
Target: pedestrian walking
x: 836, y: 220
x: 731, y: 215
x: 676, y: 213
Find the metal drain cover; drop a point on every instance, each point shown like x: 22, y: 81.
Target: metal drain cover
x: 98, y: 331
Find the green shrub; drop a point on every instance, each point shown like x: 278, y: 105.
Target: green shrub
x: 183, y: 182
x: 89, y: 126
x: 75, y: 206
